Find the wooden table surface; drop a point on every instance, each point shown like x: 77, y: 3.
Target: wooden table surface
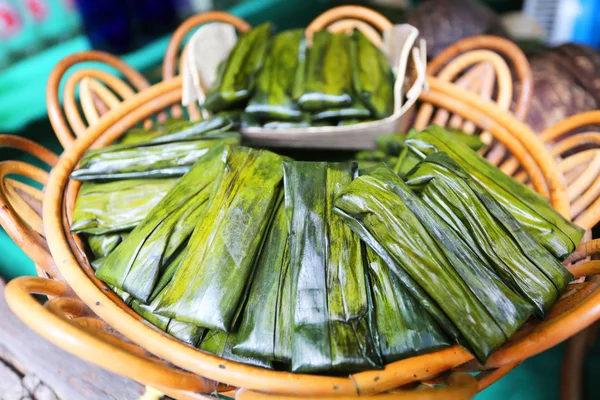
x: 33, y: 368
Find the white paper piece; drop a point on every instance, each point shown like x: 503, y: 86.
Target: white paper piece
x: 207, y: 47
x: 394, y: 40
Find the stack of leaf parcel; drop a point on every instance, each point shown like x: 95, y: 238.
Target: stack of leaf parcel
x: 319, y: 267
x: 280, y: 81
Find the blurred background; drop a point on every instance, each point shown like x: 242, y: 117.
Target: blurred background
x: 560, y: 37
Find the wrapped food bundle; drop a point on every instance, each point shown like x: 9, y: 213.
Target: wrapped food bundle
x: 225, y: 242
x: 373, y: 79
x: 102, y: 245
x: 236, y: 78
x: 492, y: 232
x: 532, y: 210
x: 170, y: 155
x: 264, y: 327
x: 273, y: 98
x: 332, y: 316
x: 103, y: 208
x: 327, y: 82
x: 404, y: 327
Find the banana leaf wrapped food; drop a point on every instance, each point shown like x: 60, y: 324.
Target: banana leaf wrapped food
x: 533, y: 211
x: 183, y: 331
x: 332, y: 315
x: 102, y: 245
x: 327, y: 82
x: 220, y: 344
x: 225, y: 243
x: 236, y: 78
x: 188, y: 333
x: 138, y: 135
x: 109, y: 207
x: 356, y: 110
x: 372, y: 76
x: 273, y: 97
x: 404, y: 328
x: 375, y: 211
x: 136, y: 264
x: 285, y: 124
x: 490, y: 231
x: 215, y: 127
x: 263, y: 331
x: 392, y: 150
x: 147, y: 160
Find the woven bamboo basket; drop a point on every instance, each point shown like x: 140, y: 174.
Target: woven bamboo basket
x: 470, y: 85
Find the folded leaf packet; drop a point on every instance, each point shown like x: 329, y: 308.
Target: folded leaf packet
x: 236, y: 78
x: 332, y: 315
x: 273, y: 98
x: 493, y: 233
x: 558, y: 235
x: 211, y: 286
x: 103, y: 208
x: 264, y: 327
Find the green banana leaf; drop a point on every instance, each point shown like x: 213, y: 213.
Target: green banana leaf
x: 183, y: 331
x: 215, y: 127
x: 490, y: 231
x: 405, y: 162
x: 137, y: 262
x: 371, y: 155
x: 372, y: 76
x: 147, y: 160
x: 236, y: 78
x: 102, y: 245
x: 370, y: 201
x: 533, y: 211
x: 210, y: 287
x: 103, y: 208
x: 139, y: 135
x: 506, y: 307
x: 391, y: 143
x: 187, y: 333
x: 102, y: 253
x: 473, y: 141
x: 220, y: 344
x: 332, y: 314
x: 264, y: 321
x: 328, y: 79
x: 404, y: 328
x: 356, y: 110
x: 274, y: 84
x: 286, y: 124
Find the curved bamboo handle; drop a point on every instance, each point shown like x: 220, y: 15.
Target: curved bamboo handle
x: 584, y: 189
x: 505, y: 47
x: 55, y: 114
x: 341, y: 13
x: 170, y: 61
x: 69, y: 324
x: 20, y: 203
x: 461, y: 386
